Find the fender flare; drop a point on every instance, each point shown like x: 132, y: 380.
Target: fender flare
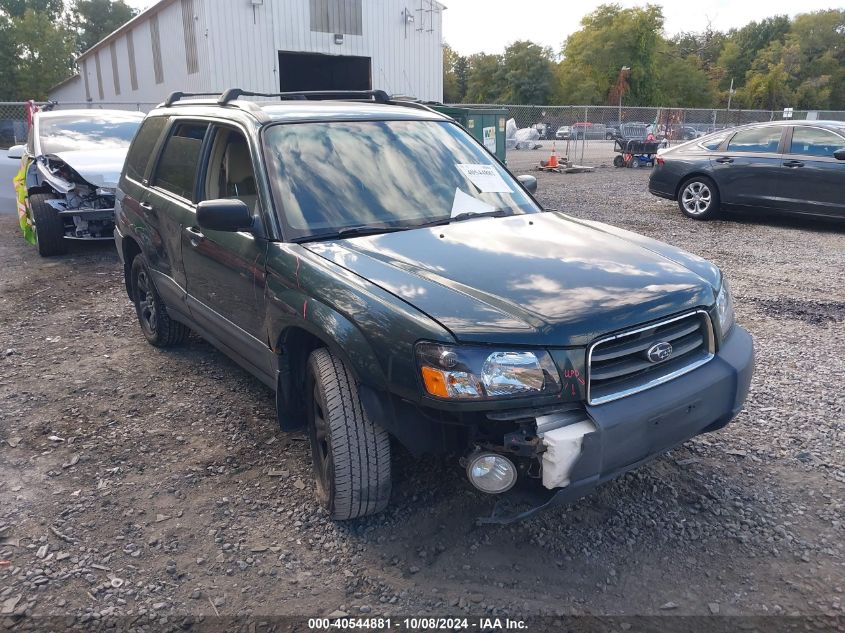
x: 319, y: 326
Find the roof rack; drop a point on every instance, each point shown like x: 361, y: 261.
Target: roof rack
x: 379, y: 96
x: 375, y: 96
x: 178, y: 96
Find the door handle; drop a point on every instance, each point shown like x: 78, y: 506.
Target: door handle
x: 793, y: 163
x: 724, y: 161
x: 194, y: 235
x: 146, y: 206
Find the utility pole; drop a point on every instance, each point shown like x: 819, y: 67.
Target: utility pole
x: 622, y: 72
x: 730, y: 93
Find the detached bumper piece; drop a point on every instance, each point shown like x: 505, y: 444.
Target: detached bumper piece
x: 621, y: 435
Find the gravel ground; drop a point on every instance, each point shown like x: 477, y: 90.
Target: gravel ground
x: 156, y: 485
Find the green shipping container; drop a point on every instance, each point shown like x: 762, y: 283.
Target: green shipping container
x: 485, y: 124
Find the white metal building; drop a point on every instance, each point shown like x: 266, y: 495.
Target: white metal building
x: 265, y: 46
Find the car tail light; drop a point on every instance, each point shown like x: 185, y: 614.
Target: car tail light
x: 660, y: 161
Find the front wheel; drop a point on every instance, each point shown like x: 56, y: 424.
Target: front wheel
x: 350, y: 453
x: 157, y: 326
x: 699, y: 198
x: 48, y: 224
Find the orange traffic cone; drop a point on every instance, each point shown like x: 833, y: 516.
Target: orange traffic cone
x: 553, y: 164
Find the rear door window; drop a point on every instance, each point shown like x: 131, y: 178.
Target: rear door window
x: 757, y: 140
x: 812, y: 141
x: 177, y: 168
x: 142, y: 147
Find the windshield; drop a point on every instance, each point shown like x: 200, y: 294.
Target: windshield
x: 391, y: 174
x: 87, y: 132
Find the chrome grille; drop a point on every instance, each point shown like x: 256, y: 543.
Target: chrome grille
x: 619, y: 365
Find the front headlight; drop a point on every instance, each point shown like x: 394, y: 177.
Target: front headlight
x: 479, y: 373
x: 725, y: 309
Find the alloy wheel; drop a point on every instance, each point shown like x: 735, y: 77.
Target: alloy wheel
x: 696, y: 198
x: 321, y: 453
x: 146, y: 303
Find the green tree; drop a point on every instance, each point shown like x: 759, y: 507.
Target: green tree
x: 612, y: 37
x: 95, y: 19
x: 8, y: 52
x: 821, y: 38
x: 452, y: 92
x: 576, y: 86
x: 749, y: 41
x: 483, y: 79
x: 773, y: 73
x: 525, y: 74
x: 16, y: 8
x: 684, y: 83
x: 461, y: 70
x: 43, y: 55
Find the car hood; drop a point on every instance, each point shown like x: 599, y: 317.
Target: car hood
x: 540, y: 279
x: 101, y: 168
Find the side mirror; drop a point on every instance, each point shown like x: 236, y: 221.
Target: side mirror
x: 839, y: 154
x: 16, y: 152
x: 230, y: 215
x: 529, y: 182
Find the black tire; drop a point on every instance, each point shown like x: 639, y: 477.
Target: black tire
x: 698, y: 198
x: 618, y: 161
x: 351, y: 454
x: 49, y: 226
x: 635, y: 163
x: 157, y: 326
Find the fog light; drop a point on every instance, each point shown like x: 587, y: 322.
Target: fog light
x: 491, y: 473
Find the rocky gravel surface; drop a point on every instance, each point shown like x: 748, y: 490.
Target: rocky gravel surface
x: 156, y: 486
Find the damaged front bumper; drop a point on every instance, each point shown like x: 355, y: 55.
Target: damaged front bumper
x: 84, y: 220
x: 621, y: 435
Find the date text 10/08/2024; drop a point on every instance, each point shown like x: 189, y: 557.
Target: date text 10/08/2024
x: 418, y: 624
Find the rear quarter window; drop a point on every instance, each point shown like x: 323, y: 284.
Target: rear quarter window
x: 713, y: 142
x: 142, y: 147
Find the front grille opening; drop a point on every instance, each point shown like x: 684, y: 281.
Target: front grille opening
x: 620, y: 365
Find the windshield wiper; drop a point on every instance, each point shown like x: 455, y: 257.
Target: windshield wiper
x: 352, y: 231
x: 500, y: 213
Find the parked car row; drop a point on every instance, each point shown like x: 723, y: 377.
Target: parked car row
x: 439, y: 305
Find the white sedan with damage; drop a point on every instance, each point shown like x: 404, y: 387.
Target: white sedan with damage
x: 70, y: 166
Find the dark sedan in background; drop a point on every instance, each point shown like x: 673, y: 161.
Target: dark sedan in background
x: 780, y: 166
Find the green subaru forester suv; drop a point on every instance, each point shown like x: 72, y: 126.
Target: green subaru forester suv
x: 377, y: 267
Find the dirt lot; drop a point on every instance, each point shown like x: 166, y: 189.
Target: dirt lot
x: 156, y: 484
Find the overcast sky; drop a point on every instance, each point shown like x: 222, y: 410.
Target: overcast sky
x: 472, y: 26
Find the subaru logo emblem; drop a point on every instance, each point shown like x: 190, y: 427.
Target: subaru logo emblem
x: 660, y: 352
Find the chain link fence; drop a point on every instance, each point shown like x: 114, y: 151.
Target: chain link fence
x: 585, y: 134
x: 13, y: 117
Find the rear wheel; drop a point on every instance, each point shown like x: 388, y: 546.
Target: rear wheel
x: 618, y: 161
x: 351, y: 454
x: 158, y: 328
x: 49, y: 226
x: 699, y: 198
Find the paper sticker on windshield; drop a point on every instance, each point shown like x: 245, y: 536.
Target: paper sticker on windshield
x: 465, y: 203
x: 485, y: 178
